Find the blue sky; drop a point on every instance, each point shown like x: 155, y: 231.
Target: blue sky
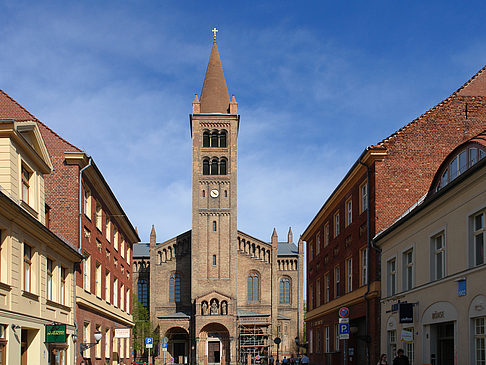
x: 316, y: 83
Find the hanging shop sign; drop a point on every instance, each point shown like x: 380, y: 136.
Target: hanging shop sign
x: 55, y: 333
x: 405, y: 312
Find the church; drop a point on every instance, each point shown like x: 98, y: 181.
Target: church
x: 219, y: 295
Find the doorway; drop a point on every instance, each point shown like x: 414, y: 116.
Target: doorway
x: 214, y: 352
x: 445, y: 344
x: 23, y: 347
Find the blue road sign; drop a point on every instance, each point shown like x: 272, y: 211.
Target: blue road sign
x: 343, y: 328
x: 164, y: 345
x: 149, y: 342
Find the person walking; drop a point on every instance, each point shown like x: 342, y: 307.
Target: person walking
x: 382, y: 360
x: 401, y: 359
x: 304, y: 360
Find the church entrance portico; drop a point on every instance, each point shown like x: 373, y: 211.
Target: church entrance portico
x: 178, y: 345
x: 214, y: 345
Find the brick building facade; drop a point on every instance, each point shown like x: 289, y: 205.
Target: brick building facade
x: 84, y: 211
x: 385, y: 181
x: 222, y: 296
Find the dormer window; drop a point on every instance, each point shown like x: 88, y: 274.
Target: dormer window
x: 26, y: 175
x: 459, y: 163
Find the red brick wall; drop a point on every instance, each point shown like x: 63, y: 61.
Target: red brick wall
x: 415, y: 154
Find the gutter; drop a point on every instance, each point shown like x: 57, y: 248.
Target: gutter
x: 79, y: 249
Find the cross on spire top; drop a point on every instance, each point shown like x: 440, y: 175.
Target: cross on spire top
x: 214, y: 32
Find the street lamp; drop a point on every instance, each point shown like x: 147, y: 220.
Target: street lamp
x: 298, y: 346
x: 85, y: 346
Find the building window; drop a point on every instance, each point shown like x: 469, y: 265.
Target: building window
x: 63, y: 286
x: 326, y: 235
x: 206, y: 139
x: 349, y: 275
x: 214, y: 226
x: 336, y: 224
x: 318, y: 340
x: 214, y: 260
x: 363, y: 197
x: 122, y: 297
x: 318, y: 243
x: 222, y: 167
x: 478, y: 238
x: 318, y: 292
x: 122, y: 248
x: 142, y: 292
x: 127, y: 301
x: 86, y: 339
x: 214, y: 139
x: 107, y: 344
x: 391, y: 277
x: 349, y: 212
x: 98, y: 280
x: 50, y: 267
x: 128, y: 254
x: 438, y: 257
x: 87, y: 202
x: 214, y: 167
x: 408, y: 270
x: 27, y: 268
x: 327, y: 289
x: 311, y: 251
x: 175, y: 288
x: 115, y: 292
x: 327, y: 339
x: 336, y: 338
x: 311, y: 297
x: 86, y: 273
x: 3, y: 345
x: 311, y: 342
x: 253, y: 287
x: 364, y: 266
x: 285, y: 291
x: 26, y: 176
x: 206, y: 167
x: 222, y: 138
x: 108, y: 229
x: 99, y: 218
x: 337, y: 281
x: 107, y: 285
x: 392, y: 343
x: 98, y: 345
x: 480, y: 340
x: 409, y: 346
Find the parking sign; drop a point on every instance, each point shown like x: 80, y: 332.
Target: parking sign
x: 149, y: 342
x: 343, y: 331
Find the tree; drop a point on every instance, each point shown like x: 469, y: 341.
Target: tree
x: 143, y: 329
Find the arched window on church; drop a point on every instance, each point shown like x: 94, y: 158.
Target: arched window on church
x: 222, y: 167
x: 175, y: 288
x: 253, y: 287
x: 214, y: 167
x: 214, y: 139
x: 206, y: 139
x: 285, y: 291
x: 142, y: 292
x: 222, y: 138
x: 205, y: 167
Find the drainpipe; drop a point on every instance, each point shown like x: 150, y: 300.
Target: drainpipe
x: 79, y: 249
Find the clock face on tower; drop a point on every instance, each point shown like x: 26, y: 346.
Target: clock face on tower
x: 214, y: 193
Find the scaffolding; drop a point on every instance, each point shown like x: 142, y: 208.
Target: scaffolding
x: 253, y: 341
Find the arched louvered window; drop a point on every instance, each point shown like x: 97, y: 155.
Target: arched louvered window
x: 142, y: 292
x: 206, y: 139
x: 205, y: 167
x: 214, y: 167
x: 175, y: 288
x: 284, y: 291
x: 222, y: 138
x: 253, y: 286
x: 222, y: 167
x: 214, y: 139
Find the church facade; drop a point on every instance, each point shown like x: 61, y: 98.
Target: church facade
x: 219, y: 295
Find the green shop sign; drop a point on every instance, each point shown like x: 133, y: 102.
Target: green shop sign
x: 55, y: 333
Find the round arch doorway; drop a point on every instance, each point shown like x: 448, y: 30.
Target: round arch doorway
x: 215, y: 344
x: 178, y: 345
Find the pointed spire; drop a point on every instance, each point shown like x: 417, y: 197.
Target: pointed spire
x: 274, y: 238
x: 214, y: 94
x: 290, y: 237
x: 233, y: 105
x: 153, y: 237
x: 196, y: 105
x: 301, y: 245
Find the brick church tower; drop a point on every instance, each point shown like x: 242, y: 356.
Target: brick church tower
x: 214, y: 127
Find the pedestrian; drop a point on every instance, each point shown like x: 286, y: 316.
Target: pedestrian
x: 304, y: 360
x: 401, y: 359
x: 270, y: 360
x: 382, y: 360
x: 285, y: 360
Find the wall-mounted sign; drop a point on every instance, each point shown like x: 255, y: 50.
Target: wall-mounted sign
x: 343, y: 312
x: 461, y: 288
x: 122, y: 332
x: 405, y: 312
x: 55, y: 333
x: 407, y: 336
